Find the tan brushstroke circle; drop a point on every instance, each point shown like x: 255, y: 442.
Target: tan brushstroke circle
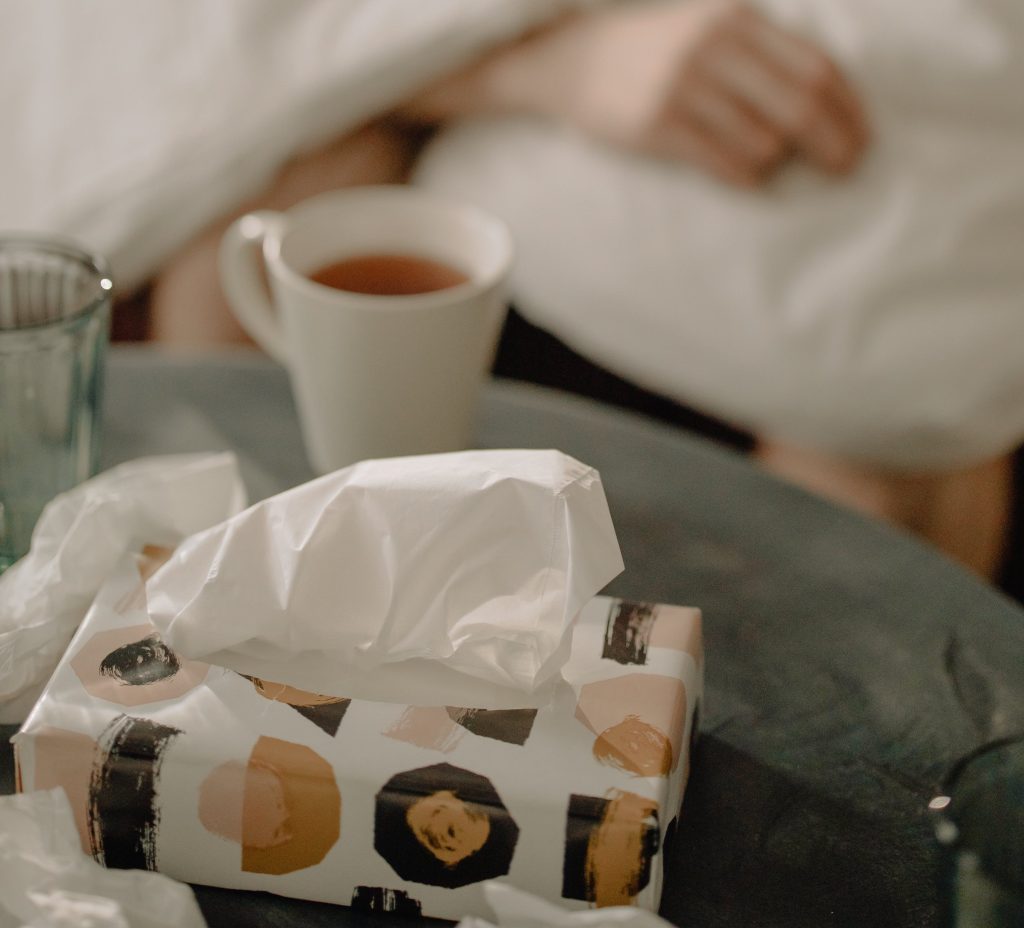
x: 220, y: 801
x: 291, y: 808
x: 221, y: 810
x: 450, y: 829
x: 656, y: 700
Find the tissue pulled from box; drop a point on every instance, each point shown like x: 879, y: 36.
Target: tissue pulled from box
x: 47, y: 882
x: 80, y: 537
x: 474, y: 562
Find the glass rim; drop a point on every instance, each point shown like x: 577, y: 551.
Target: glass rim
x: 64, y: 247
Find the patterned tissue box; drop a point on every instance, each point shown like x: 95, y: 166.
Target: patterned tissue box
x: 215, y: 778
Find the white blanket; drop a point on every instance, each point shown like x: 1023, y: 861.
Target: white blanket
x: 880, y: 317
x: 130, y: 125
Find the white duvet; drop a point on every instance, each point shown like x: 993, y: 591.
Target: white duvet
x: 881, y: 317
x: 130, y: 124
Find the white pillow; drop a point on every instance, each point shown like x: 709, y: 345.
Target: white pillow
x: 880, y: 317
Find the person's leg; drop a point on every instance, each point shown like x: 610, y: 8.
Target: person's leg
x: 188, y: 307
x: 965, y: 513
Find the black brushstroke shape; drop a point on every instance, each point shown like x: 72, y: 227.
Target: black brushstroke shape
x: 627, y: 632
x: 512, y: 726
x: 381, y: 899
x: 141, y: 662
x: 123, y: 815
x: 585, y: 816
x: 326, y: 717
x: 396, y: 843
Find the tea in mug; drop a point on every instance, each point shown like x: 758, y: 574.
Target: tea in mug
x: 389, y: 275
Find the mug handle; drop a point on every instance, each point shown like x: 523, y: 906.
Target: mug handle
x: 240, y: 259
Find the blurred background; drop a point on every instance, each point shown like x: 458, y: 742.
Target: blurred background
x: 793, y: 226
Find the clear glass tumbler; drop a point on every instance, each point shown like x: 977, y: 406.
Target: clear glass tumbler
x: 54, y: 326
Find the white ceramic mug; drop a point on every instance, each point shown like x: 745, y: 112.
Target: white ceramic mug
x: 373, y: 376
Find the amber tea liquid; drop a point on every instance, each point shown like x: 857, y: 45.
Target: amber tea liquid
x: 389, y: 275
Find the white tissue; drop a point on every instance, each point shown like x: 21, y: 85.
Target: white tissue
x: 47, y: 882
x: 514, y: 908
x: 81, y: 536
x: 474, y: 563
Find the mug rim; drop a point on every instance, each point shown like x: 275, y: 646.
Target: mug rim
x: 274, y: 243
x: 64, y: 247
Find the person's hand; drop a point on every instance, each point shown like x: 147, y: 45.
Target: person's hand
x: 710, y: 82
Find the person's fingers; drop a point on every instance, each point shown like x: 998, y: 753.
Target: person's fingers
x: 753, y: 141
x: 808, y: 113
x: 810, y: 66
x: 836, y: 132
x: 812, y: 112
x: 680, y: 141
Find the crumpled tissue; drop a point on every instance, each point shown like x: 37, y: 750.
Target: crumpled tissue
x: 514, y: 908
x: 399, y: 579
x: 80, y: 537
x: 47, y: 882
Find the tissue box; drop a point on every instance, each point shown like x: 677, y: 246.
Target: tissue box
x: 216, y: 778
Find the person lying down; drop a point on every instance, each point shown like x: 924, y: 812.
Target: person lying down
x: 800, y: 216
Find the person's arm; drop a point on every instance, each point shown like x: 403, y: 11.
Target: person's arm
x: 188, y: 307
x: 710, y: 82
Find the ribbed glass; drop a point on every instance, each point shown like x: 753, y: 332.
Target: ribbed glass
x: 54, y: 323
